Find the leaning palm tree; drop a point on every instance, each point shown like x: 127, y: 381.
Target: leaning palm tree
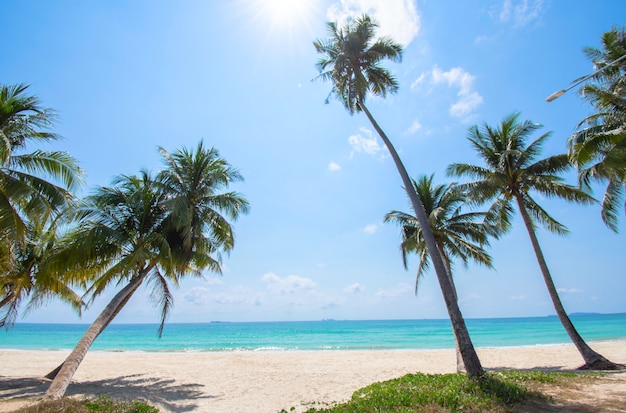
x: 598, y: 147
x: 351, y: 62
x: 27, y: 180
x: 461, y: 235
x: 130, y: 232
x: 119, y: 231
x: 510, y: 174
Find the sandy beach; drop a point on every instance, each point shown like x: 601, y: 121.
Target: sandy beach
x: 261, y: 381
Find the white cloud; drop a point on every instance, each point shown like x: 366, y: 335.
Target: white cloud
x: 197, y: 295
x: 466, y: 105
x: 370, y: 229
x: 521, y: 13
x: 398, y: 19
x: 214, y: 281
x: 329, y: 304
x: 290, y: 284
x: 334, y: 167
x: 468, y: 99
x: 223, y: 298
x: 355, y: 288
x: 505, y: 13
x: 401, y: 289
x: 470, y: 297
x: 414, y: 128
x: 365, y: 142
x: 518, y: 297
x: 418, y: 81
x: 484, y: 39
x: 569, y: 290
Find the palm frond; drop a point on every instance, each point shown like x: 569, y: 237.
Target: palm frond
x: 613, y: 203
x: 350, y: 61
x: 459, y: 235
x: 161, y: 297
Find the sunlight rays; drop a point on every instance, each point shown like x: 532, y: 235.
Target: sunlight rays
x: 286, y: 13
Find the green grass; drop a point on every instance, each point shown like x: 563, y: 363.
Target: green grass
x: 102, y: 404
x: 429, y: 393
x: 438, y: 393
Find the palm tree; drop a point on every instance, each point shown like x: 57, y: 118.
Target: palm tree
x: 350, y: 62
x: 199, y: 211
x: 132, y: 233
x: 598, y: 147
x: 510, y: 173
x: 24, y: 184
x: 35, y: 193
x: 31, y: 270
x: 457, y: 234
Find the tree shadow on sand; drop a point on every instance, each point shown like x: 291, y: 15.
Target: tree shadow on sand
x: 167, y: 393
x: 586, y: 392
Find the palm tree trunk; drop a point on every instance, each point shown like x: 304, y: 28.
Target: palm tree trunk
x: 593, y: 360
x: 104, y: 325
x: 468, y: 353
x: 460, y: 366
x: 59, y: 385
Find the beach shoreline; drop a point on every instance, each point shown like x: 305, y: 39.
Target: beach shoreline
x: 260, y: 381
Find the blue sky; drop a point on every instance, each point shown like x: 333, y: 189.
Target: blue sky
x: 127, y: 77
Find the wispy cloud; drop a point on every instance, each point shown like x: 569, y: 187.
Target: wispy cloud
x: 468, y: 99
x: 414, y: 128
x: 334, y: 167
x: 521, y: 13
x: 371, y: 228
x: 569, y: 290
x: 401, y: 289
x: 485, y: 39
x: 197, y: 295
x: 355, y: 288
x: 366, y: 142
x: 290, y: 284
x: 214, y: 281
x: 418, y: 81
x: 224, y: 298
x: 398, y: 19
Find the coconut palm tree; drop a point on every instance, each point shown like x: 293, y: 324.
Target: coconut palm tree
x: 598, y: 147
x: 510, y: 175
x: 198, y: 208
x: 27, y: 180
x: 35, y: 193
x: 351, y: 62
x: 31, y: 271
x: 130, y: 232
x: 461, y: 235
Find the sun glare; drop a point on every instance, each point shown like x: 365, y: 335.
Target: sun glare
x: 286, y: 12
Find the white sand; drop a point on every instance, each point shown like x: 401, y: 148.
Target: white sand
x: 255, y: 381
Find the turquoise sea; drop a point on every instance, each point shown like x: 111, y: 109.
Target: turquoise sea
x: 316, y: 335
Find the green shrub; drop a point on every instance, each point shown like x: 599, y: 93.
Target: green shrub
x: 436, y: 393
x: 103, y: 404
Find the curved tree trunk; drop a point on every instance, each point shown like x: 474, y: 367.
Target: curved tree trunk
x: 468, y: 353
x: 593, y: 360
x: 121, y: 305
x: 59, y: 385
x: 460, y: 366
